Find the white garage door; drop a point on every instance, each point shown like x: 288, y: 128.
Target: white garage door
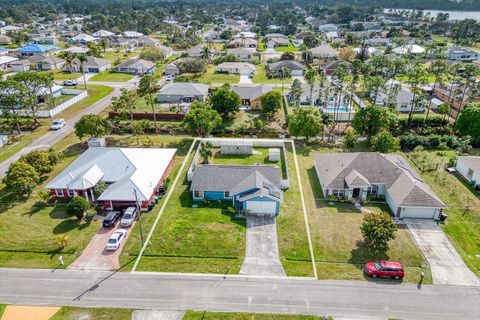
x: 421, y: 213
x: 262, y: 206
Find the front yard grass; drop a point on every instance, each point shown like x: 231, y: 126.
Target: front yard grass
x: 337, y: 240
x: 95, y: 94
x: 74, y: 313
x: 260, y: 76
x: 118, y: 57
x: 110, y: 76
x: 207, y: 238
x: 210, y: 76
x: 61, y: 75
x: 29, y: 229
x: 463, y: 204
x: 289, y: 48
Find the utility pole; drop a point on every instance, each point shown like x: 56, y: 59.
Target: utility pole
x: 139, y: 216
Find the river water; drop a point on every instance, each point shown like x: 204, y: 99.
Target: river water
x: 454, y: 15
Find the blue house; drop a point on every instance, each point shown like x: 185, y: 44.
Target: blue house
x: 32, y: 49
x: 255, y: 189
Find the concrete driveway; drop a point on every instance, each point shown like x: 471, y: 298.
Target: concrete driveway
x: 245, y: 78
x: 446, y: 264
x: 261, y: 256
x: 95, y: 257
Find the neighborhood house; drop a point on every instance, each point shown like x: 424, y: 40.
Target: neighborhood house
x: 254, y: 189
x: 131, y: 174
x: 469, y: 168
x: 358, y: 175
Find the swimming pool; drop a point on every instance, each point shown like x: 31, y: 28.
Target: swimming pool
x: 339, y: 109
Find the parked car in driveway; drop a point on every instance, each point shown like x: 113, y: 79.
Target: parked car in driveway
x: 384, y: 269
x: 111, y: 218
x: 58, y: 124
x: 70, y: 83
x: 116, y: 239
x: 128, y: 217
x: 168, y: 77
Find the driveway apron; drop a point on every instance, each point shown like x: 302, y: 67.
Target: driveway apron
x: 446, y: 264
x: 261, y: 257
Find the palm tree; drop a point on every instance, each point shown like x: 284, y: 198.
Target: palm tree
x: 82, y: 58
x: 206, y: 151
x: 310, y: 77
x: 68, y: 57
x: 146, y: 88
x: 104, y: 44
x: 438, y: 68
x: 417, y: 77
x: 355, y: 73
x: 206, y: 53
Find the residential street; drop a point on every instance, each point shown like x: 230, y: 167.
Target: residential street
x: 52, y: 137
x: 341, y: 299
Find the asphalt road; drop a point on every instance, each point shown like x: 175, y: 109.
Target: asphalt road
x: 340, y: 299
x: 52, y: 137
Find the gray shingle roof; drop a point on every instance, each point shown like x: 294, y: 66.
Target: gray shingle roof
x: 184, y: 88
x: 405, y: 187
x: 137, y: 64
x: 251, y: 92
x: 289, y: 64
x: 236, y: 179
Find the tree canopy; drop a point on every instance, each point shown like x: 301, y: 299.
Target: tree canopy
x: 201, y: 119
x: 91, y: 125
x: 468, y: 123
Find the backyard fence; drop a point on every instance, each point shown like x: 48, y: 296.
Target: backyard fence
x: 261, y: 143
x: 149, y: 116
x: 50, y: 113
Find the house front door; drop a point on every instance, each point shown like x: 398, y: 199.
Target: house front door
x: 356, y: 192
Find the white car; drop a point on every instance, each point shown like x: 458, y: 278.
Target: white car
x: 168, y: 77
x: 58, y: 124
x: 128, y: 217
x: 115, y: 239
x: 70, y: 83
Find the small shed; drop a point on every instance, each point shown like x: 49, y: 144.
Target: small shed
x: 241, y: 147
x: 3, y: 139
x: 273, y: 154
x: 96, y: 142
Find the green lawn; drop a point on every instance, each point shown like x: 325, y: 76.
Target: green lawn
x: 113, y: 56
x: 95, y: 93
x: 337, y: 240
x: 61, y: 75
x: 289, y: 48
x: 29, y: 229
x: 210, y: 76
x: 260, y: 76
x: 260, y: 156
x: 2, y: 309
x: 110, y: 76
x: 74, y: 313
x: 463, y: 205
x: 203, y: 239
x: 198, y: 315
x: 58, y: 100
x: 291, y: 229
x: 142, y: 105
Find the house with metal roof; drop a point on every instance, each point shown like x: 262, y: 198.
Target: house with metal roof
x: 136, y: 66
x: 363, y: 174
x: 242, y: 68
x: 461, y: 54
x: 36, y: 50
x: 182, y: 92
x: 251, y: 94
x: 133, y: 175
x: 254, y: 189
x: 103, y: 34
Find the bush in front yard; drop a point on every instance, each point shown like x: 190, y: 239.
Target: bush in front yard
x: 77, y: 207
x: 21, y: 178
x: 377, y: 230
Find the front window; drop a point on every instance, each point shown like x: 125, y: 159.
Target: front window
x: 227, y: 194
x: 378, y: 266
x: 59, y: 192
x: 71, y: 193
x: 127, y: 216
x: 470, y: 173
x: 112, y: 241
x: 198, y: 194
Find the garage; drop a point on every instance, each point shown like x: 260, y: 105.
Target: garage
x: 93, y: 70
x: 269, y: 207
x: 419, y: 213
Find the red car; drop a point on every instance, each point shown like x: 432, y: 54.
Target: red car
x: 387, y: 269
